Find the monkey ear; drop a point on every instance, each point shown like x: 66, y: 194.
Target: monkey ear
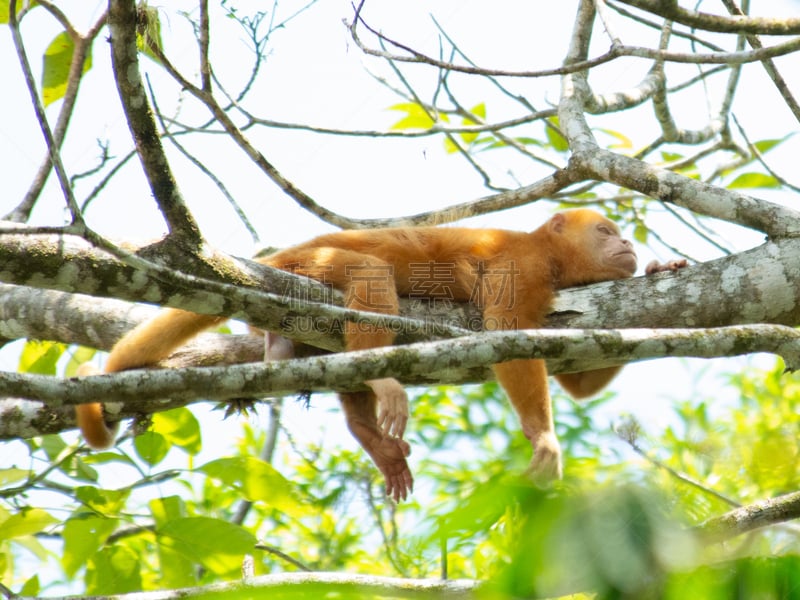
x: 557, y: 222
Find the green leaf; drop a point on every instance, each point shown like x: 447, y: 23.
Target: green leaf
x: 26, y: 522
x: 54, y: 446
x: 151, y: 447
x: 557, y: 141
x: 80, y: 355
x: 13, y: 475
x: 257, y: 481
x: 55, y: 68
x: 758, y: 577
x: 416, y: 117
x: 479, y: 110
x: 106, y: 502
x: 32, y: 546
x: 176, y: 569
x: 179, y: 427
x: 4, y: 12
x: 31, y: 588
x: 640, y: 233
x: 754, y: 180
x: 167, y: 509
x: 764, y: 146
x: 114, y: 570
x: 40, y: 358
x: 623, y: 141
x: 83, y: 536
x: 611, y: 541
x: 479, y: 511
x: 216, y: 544
x: 669, y: 157
x: 102, y: 458
x: 69, y: 463
x: 148, y: 32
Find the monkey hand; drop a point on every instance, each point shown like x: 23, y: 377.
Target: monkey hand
x: 546, y: 462
x: 672, y: 265
x: 392, y: 406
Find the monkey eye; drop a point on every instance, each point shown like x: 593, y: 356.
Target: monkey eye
x: 605, y: 230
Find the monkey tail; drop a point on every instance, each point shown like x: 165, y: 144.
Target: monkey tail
x: 157, y: 338
x: 144, y: 345
x: 98, y: 433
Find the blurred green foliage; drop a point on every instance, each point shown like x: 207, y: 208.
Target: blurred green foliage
x: 618, y: 526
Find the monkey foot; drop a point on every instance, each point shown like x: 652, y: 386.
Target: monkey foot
x: 546, y: 462
x: 389, y: 455
x: 392, y: 406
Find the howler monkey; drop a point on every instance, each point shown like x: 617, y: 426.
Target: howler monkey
x: 512, y: 276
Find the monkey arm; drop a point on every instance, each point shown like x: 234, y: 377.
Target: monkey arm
x: 525, y: 382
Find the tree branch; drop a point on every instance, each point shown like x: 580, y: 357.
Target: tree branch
x: 750, y: 517
x: 122, y: 21
x: 592, y: 161
x: 322, y: 584
x: 718, y: 23
x: 454, y: 361
x: 761, y: 284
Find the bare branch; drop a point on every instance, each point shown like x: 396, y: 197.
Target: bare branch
x: 343, y: 584
x: 122, y: 22
x: 748, y: 518
x: 718, y: 23
x: 82, y: 46
x: 51, y: 143
x: 585, y: 64
x: 769, y: 65
x: 775, y: 220
x: 139, y: 392
x: 419, y: 363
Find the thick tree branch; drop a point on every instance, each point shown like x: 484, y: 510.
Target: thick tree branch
x: 699, y: 197
x: 718, y: 23
x: 319, y: 583
x: 761, y: 286
x: 458, y: 360
x: 592, y: 161
x: 30, y: 313
x: 753, y: 516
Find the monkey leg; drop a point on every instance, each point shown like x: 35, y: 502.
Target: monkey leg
x: 525, y: 382
x: 587, y: 383
x: 277, y: 347
x: 388, y: 453
x: 368, y: 284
